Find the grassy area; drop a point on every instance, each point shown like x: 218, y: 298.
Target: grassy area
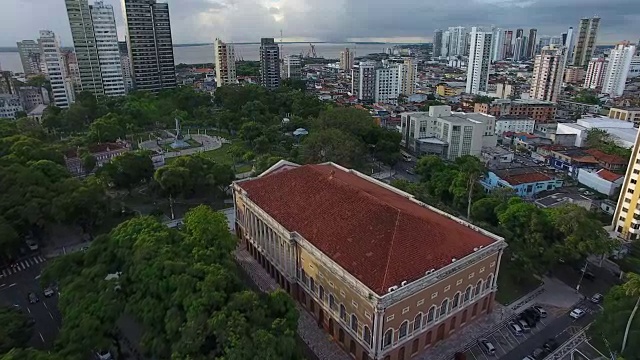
x: 513, y: 284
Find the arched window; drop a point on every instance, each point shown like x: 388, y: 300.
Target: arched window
x: 417, y: 322
x: 443, y: 307
x: 489, y: 282
x: 332, y: 302
x: 321, y: 292
x: 467, y: 294
x: 343, y: 313
x: 354, y: 323
x: 366, y: 335
x: 478, y: 288
x: 402, y: 333
x: 456, y: 300
x: 431, y: 314
x: 388, y: 336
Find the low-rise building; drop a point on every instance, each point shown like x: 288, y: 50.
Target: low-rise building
x: 103, y: 153
x: 631, y: 114
x: 514, y: 124
x: 393, y: 278
x: 561, y: 199
x: 32, y: 96
x: 622, y: 131
x: 37, y: 112
x: 10, y: 106
x: 526, y: 182
x: 449, y: 89
x: 574, y: 75
x: 539, y: 110
x: 602, y: 181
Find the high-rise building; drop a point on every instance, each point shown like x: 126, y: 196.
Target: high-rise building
x: 366, y: 81
x: 634, y: 67
x: 596, y: 70
x: 507, y: 50
x: 409, y: 74
x: 30, y: 56
x: 618, y: 69
x: 225, y: 57
x: 574, y: 75
x: 446, y: 40
x: 437, y: 43
x: 84, y: 43
x: 292, y: 67
x: 548, y: 70
x: 459, y: 41
x: 626, y: 224
x: 125, y: 64
x: 388, y: 84
x: 519, y: 33
x: 479, y: 61
x: 61, y: 87
x: 518, y: 49
x: 498, y: 40
x: 71, y: 68
x: 531, y: 43
x: 148, y: 27
x: 106, y: 36
x: 586, y: 41
x: 347, y: 56
x: 568, y: 42
x: 269, y: 63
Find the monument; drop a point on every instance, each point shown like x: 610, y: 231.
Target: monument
x: 179, y: 142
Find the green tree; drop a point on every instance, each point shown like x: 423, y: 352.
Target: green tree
x: 128, y: 170
x: 29, y: 354
x: 9, y: 240
x: 16, y: 329
x: 632, y: 289
x: 332, y: 145
x: 484, y: 210
x: 82, y: 203
x: 105, y: 129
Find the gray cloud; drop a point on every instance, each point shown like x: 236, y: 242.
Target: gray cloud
x: 339, y: 20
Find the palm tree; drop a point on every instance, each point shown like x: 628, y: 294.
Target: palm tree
x: 632, y: 288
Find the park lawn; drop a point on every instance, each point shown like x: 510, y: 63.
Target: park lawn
x: 221, y: 156
x: 511, y: 283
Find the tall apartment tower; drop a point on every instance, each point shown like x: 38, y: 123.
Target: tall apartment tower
x: 507, y: 50
x: 106, y: 33
x: 409, y: 76
x: 586, y: 41
x: 548, y: 71
x: 596, y: 71
x: 149, y: 43
x: 388, y: 84
x: 225, y: 57
x: 618, y: 69
x: 71, y: 68
x: 458, y: 40
x: 292, y: 67
x: 531, y: 43
x: 498, y: 40
x: 366, y: 81
x: 569, y: 42
x: 518, y: 49
x: 626, y: 223
x: 446, y: 39
x: 30, y: 56
x: 84, y: 43
x: 437, y: 43
x: 269, y: 64
x: 479, y: 61
x: 61, y: 87
x: 125, y: 64
x: 347, y: 57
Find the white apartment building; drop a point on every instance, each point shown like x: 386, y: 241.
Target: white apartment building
x: 457, y: 44
x: 61, y: 87
x: 595, y: 73
x: 388, y: 83
x: 409, y: 77
x: 618, y: 69
x: 84, y: 45
x: 481, y: 46
x: 446, y: 41
x: 498, y: 44
x: 447, y: 134
x: 106, y: 39
x: 292, y: 68
x: 634, y: 67
x: 548, y: 70
x: 366, y: 81
x: 586, y: 41
x: 225, y: 56
x: 518, y: 125
x: 347, y: 57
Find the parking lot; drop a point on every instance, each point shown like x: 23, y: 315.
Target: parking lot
x: 584, y: 351
x: 504, y: 339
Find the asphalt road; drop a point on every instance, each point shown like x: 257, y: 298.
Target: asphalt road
x: 14, y: 290
x: 401, y: 171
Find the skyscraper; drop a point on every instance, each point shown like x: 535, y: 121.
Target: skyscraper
x: 596, y: 71
x: 106, y: 40
x: 269, y: 64
x: 498, y: 39
x: 446, y: 39
x: 347, y: 57
x: 388, y: 84
x: 568, y: 42
x: 618, y: 69
x: 225, y: 56
x: 531, y: 43
x: 409, y: 76
x: 292, y: 67
x: 519, y: 33
x: 366, y: 81
x: 548, y: 71
x: 30, y: 56
x: 518, y: 48
x: 507, y: 50
x: 125, y: 64
x: 149, y: 43
x: 84, y: 43
x: 61, y: 87
x: 458, y: 40
x: 479, y: 61
x: 586, y: 41
x: 437, y: 43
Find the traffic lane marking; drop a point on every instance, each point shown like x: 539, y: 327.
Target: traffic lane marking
x: 500, y: 350
x: 478, y: 353
x: 471, y: 352
x: 509, y: 336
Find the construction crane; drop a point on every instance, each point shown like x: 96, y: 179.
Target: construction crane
x: 311, y: 53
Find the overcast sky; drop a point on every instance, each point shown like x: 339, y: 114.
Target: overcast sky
x: 196, y: 21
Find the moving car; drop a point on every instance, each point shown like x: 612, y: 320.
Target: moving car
x: 487, y: 347
x: 33, y: 298
x: 540, y: 310
x: 103, y: 355
x: 48, y: 292
x: 577, y: 313
x: 33, y: 246
x: 597, y: 298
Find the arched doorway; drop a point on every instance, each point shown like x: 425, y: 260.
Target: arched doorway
x: 464, y: 317
x: 331, y: 327
x: 352, y: 347
x: 475, y: 310
x: 401, y: 353
x: 320, y: 317
x: 452, y: 325
x: 440, y: 333
x: 427, y: 339
x: 341, y: 336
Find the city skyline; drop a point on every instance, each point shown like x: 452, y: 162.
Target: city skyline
x: 200, y: 21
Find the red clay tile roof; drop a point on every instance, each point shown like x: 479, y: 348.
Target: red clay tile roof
x: 604, y: 157
x: 379, y: 236
x: 608, y: 175
x: 526, y: 178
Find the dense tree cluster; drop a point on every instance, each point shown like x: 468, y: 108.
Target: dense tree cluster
x: 180, y: 289
x: 16, y: 329
x: 600, y: 139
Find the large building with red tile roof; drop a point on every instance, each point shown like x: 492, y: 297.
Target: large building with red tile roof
x: 386, y: 275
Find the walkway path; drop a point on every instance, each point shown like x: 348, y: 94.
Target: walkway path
x: 318, y: 341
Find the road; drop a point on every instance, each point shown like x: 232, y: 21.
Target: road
x: 402, y: 169
x: 13, y: 291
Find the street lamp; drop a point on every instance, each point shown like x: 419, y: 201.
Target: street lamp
x: 584, y: 270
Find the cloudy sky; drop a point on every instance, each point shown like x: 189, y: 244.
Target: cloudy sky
x: 196, y: 21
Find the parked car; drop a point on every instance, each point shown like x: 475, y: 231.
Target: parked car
x: 33, y: 298
x: 577, y: 313
x: 539, y: 354
x: 589, y: 275
x: 532, y: 313
x: 550, y: 345
x: 524, y: 325
x: 515, y: 328
x: 597, y: 298
x: 33, y: 246
x: 48, y: 292
x: 540, y: 310
x: 487, y: 347
x: 528, y: 319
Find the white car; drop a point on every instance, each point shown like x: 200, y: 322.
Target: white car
x: 577, y: 313
x: 33, y: 246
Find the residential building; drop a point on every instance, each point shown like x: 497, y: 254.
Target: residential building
x: 451, y: 88
x: 514, y: 124
x: 30, y: 56
x: 634, y: 66
x: 626, y: 114
x: 539, y: 110
x: 458, y: 43
x: 409, y: 74
x: 106, y: 39
x: 585, y: 41
x: 225, y: 63
x: 526, y: 182
x: 148, y: 27
x: 602, y: 181
x: 446, y: 40
x: 562, y: 199
x: 125, y: 64
x: 71, y: 68
x: 618, y: 69
x: 61, y: 87
x: 292, y: 67
x: 437, y: 43
x: 347, y: 57
x: 37, y: 112
x: 596, y: 70
x: 84, y: 44
x: 439, y: 273
x: 497, y: 52
x: 519, y: 49
x: 388, y: 84
x: 626, y: 224
x: 479, y: 61
x: 531, y: 43
x: 269, y: 64
x: 10, y: 105
x: 622, y: 131
x: 7, y: 83
x: 569, y: 42
x: 574, y: 75
x: 365, y: 81
x: 103, y: 153
x: 547, y: 73
x: 507, y: 50
x: 31, y: 97
x: 447, y: 134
